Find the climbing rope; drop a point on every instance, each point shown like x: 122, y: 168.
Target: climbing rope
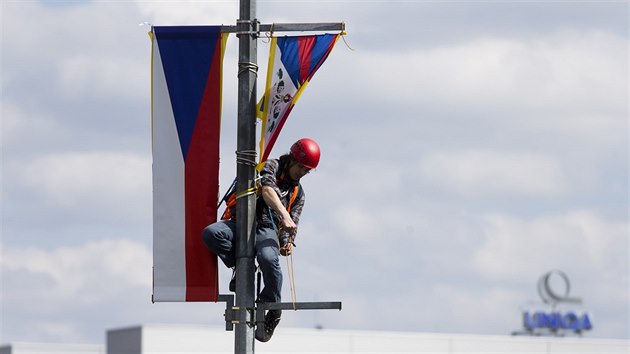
x: 291, y: 272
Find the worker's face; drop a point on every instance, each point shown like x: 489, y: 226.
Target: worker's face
x: 298, y: 171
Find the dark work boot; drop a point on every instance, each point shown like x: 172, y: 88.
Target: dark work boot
x: 271, y: 321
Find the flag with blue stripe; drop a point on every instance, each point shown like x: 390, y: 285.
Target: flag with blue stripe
x: 186, y: 115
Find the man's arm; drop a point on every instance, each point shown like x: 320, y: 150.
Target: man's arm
x: 273, y: 201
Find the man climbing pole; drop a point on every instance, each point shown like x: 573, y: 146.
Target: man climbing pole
x: 278, y: 208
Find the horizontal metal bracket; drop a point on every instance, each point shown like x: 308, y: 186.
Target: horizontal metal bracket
x: 332, y: 305
x: 287, y: 27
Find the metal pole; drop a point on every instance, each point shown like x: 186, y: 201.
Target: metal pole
x: 245, y: 174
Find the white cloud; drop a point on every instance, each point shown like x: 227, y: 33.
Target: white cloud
x: 90, y: 272
x: 71, y: 293
x: 567, y: 67
x: 83, y: 50
x: 91, y: 75
x: 572, y: 84
x: 80, y: 178
x: 488, y: 172
x: 494, y: 306
x: 17, y: 125
x: 188, y: 12
x: 59, y: 328
x: 580, y: 240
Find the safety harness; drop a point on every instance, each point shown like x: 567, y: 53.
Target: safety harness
x: 231, y: 196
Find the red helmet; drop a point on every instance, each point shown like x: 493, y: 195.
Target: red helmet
x: 306, y: 152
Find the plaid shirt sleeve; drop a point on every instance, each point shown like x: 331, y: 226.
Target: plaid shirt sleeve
x: 268, y: 179
x: 268, y: 175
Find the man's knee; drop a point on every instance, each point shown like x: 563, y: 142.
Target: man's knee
x: 268, y: 256
x: 207, y: 235
x: 218, y: 238
x: 214, y: 236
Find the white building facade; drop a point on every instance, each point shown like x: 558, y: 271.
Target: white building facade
x: 156, y: 338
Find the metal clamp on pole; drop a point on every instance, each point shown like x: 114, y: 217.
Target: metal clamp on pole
x: 250, y: 27
x: 237, y: 315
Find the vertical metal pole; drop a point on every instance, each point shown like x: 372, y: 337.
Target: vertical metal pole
x: 245, y: 174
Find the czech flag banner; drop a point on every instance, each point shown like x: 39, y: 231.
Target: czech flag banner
x: 186, y: 65
x: 292, y: 63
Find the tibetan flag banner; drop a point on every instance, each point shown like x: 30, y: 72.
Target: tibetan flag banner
x: 186, y: 65
x: 292, y: 63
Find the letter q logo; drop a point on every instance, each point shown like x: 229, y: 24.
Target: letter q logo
x: 550, y: 294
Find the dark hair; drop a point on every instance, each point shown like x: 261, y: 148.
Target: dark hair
x: 286, y: 161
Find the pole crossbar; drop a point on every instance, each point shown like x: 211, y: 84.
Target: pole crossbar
x: 290, y: 27
x: 331, y: 305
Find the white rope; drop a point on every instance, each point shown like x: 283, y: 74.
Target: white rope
x: 291, y: 273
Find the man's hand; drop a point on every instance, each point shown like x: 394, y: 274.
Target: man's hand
x: 287, y: 249
x: 287, y: 224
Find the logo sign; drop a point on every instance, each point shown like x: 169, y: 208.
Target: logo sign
x: 557, y: 320
x: 554, y: 288
x: 549, y: 295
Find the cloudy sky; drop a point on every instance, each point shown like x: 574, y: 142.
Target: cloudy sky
x: 468, y: 148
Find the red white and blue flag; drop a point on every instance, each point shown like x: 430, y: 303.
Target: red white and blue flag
x: 186, y: 83
x: 292, y: 63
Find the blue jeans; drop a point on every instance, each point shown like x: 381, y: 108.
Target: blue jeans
x: 220, y: 239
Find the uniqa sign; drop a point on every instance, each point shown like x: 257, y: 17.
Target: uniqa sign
x: 556, y: 320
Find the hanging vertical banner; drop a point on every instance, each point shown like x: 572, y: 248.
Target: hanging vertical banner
x: 292, y: 63
x: 186, y: 65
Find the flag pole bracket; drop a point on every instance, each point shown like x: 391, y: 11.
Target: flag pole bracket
x: 249, y: 27
x: 254, y: 27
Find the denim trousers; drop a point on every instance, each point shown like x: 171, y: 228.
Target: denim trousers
x: 220, y: 239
